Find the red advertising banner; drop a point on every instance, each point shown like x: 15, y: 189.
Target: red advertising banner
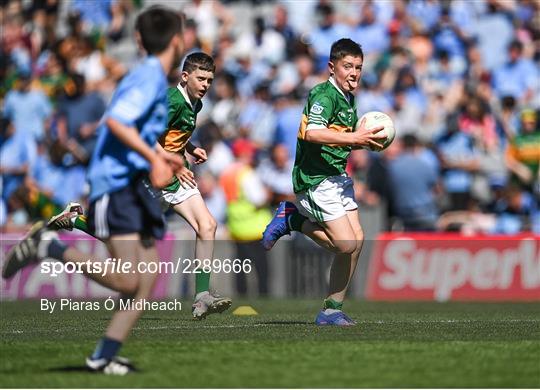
x: 32, y: 282
x: 453, y: 267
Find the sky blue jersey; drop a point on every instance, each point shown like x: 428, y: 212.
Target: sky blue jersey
x: 139, y: 101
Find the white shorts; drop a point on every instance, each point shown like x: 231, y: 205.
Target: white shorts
x: 169, y: 198
x: 172, y: 198
x: 327, y: 201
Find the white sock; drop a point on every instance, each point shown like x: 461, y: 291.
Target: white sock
x: 201, y: 294
x: 331, y: 311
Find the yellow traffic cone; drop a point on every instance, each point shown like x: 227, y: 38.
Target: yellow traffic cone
x: 245, y: 311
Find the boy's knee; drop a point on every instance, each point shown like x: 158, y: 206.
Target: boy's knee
x: 346, y: 247
x: 207, y: 229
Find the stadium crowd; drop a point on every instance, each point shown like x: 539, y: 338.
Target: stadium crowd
x: 460, y: 79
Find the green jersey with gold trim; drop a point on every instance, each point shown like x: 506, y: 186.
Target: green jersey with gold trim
x: 182, y: 116
x: 327, y: 108
x: 181, y: 120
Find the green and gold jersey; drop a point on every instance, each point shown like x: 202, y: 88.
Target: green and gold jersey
x: 327, y: 107
x: 182, y: 116
x: 526, y: 149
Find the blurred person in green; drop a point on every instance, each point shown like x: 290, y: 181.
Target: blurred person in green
x: 523, y: 152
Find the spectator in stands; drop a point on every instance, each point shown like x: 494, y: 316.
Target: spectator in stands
x: 358, y: 168
x: 79, y: 113
x: 518, y: 77
x: 475, y: 121
x: 227, y: 108
x: 219, y: 154
x: 100, y: 71
x: 307, y: 79
x: 28, y: 108
x: 493, y: 31
x: 459, y: 160
x: 18, y: 154
x: 276, y: 172
x: 413, y: 182
x: 213, y: 196
x: 371, y: 33
x: 192, y: 42
x: 425, y: 13
x: 282, y: 27
x: 105, y: 15
x: 54, y: 76
x: 212, y: 18
x: 322, y: 37
x: 523, y: 152
x: 449, y: 38
x: 443, y: 75
x: 264, y: 44
x: 508, y: 118
x: 17, y: 42
x: 247, y: 213
x: 515, y: 211
x: 406, y: 116
x: 257, y: 120
x: 288, y: 116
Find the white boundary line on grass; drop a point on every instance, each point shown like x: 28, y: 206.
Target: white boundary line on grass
x: 232, y: 326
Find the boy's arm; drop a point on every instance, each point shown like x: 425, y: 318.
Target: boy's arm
x: 197, y: 152
x: 358, y: 138
x: 174, y: 159
x: 317, y: 115
x: 190, y: 148
x: 130, y: 137
x: 160, y: 171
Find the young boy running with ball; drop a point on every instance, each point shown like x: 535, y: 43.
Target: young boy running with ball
x: 325, y: 209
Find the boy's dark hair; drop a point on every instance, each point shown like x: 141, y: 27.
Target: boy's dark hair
x: 200, y: 61
x: 157, y: 26
x: 345, y: 47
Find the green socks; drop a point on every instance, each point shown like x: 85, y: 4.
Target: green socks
x: 329, y: 303
x: 202, y: 282
x: 81, y: 224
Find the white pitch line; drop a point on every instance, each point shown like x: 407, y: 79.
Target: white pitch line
x: 231, y: 326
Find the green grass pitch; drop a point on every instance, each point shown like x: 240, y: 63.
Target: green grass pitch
x: 394, y: 345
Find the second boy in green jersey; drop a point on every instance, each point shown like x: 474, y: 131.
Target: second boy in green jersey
x: 182, y: 194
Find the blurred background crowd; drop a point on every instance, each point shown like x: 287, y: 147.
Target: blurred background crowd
x: 460, y: 79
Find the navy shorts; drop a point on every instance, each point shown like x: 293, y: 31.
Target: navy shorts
x: 132, y: 209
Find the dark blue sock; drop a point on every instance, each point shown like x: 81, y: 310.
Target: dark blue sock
x: 56, y: 249
x: 106, y: 348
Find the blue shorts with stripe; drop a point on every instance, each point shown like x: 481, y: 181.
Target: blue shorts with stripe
x: 132, y: 209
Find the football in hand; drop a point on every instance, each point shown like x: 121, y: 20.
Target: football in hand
x: 377, y: 119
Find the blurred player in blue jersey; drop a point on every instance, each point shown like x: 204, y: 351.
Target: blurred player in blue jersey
x: 126, y: 161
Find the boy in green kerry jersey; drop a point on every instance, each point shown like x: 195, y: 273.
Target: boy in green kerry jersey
x: 325, y: 209
x: 183, y: 195
x: 184, y: 103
